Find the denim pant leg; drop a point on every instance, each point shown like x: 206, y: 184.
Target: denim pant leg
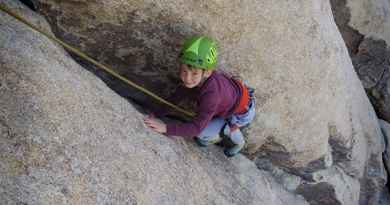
x: 241, y: 120
x: 211, y: 132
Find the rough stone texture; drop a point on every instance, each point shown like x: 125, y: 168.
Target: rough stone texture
x: 372, y: 62
x: 341, y: 13
x: 289, y: 181
x: 385, y: 127
x: 252, y: 42
x: 66, y: 138
x: 364, y: 26
x: 313, y: 114
x: 330, y: 186
x: 371, y: 18
x: 385, y: 198
x: 370, y: 55
x: 334, y: 186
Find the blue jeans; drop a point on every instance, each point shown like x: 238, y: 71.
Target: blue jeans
x: 212, y: 130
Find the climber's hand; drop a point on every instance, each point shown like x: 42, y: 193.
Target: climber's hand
x: 155, y: 124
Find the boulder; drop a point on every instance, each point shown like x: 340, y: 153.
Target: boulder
x: 313, y: 114
x: 365, y: 29
x: 372, y: 62
x: 342, y: 16
x: 295, y: 66
x: 370, y: 18
x: 330, y: 187
x: 66, y: 138
x: 385, y: 127
x: 385, y: 198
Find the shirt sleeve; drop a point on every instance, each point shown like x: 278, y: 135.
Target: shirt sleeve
x: 207, y: 108
x: 176, y: 96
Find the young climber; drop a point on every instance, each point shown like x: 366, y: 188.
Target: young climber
x: 223, y: 103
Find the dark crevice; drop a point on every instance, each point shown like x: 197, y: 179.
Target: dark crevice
x: 272, y: 154
x: 121, y: 48
x: 342, y: 16
x: 372, y: 65
x: 140, y: 100
x: 384, y: 157
x: 356, y: 49
x: 381, y: 78
x: 327, y: 194
x: 387, y: 169
x: 29, y: 4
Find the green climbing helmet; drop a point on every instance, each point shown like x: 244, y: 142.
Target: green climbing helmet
x: 200, y: 52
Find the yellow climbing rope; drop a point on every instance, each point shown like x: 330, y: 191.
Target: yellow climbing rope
x: 99, y: 65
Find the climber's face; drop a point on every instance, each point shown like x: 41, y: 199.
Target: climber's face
x: 192, y: 77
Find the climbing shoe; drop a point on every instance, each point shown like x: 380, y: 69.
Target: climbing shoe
x: 236, y: 137
x: 230, y: 152
x: 204, y: 143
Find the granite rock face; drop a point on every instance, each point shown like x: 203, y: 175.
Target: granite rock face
x: 370, y: 18
x: 313, y: 120
x: 372, y: 63
x: 66, y: 138
x: 266, y: 46
x: 365, y: 26
x: 385, y: 127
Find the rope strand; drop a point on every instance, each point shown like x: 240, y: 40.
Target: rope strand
x: 76, y: 51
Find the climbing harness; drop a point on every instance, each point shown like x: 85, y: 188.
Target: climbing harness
x: 186, y: 113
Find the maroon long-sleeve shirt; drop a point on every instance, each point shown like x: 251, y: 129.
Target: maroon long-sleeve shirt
x: 216, y: 97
